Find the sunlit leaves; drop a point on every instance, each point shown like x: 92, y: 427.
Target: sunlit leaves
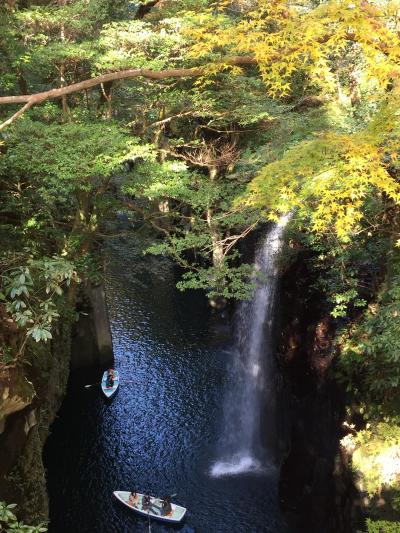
x: 376, y: 457
x: 330, y: 178
x: 136, y: 44
x: 288, y: 37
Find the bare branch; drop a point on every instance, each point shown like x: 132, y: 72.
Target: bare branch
x: 229, y: 242
x: 38, y: 98
x: 218, y: 153
x: 248, y: 230
x: 16, y: 115
x: 168, y: 119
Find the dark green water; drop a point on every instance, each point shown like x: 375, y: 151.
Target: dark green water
x: 161, y: 430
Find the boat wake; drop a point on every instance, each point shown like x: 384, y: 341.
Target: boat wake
x: 238, y: 464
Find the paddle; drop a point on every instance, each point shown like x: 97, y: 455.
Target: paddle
x: 91, y: 385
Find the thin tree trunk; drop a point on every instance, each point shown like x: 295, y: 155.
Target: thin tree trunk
x: 217, y: 248
x: 63, y: 82
x: 64, y: 101
x: 106, y: 98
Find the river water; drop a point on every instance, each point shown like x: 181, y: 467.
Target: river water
x: 161, y: 430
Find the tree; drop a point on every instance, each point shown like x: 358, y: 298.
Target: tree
x: 53, y: 181
x: 330, y: 178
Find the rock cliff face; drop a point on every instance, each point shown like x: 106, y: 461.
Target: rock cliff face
x: 28, y: 413
x: 91, y: 339
x: 31, y: 395
x: 316, y: 487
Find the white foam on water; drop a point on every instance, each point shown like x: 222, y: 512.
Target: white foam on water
x: 236, y: 466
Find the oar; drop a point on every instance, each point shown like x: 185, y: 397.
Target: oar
x: 91, y: 385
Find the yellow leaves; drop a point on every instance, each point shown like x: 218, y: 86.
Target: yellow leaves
x: 328, y: 180
x: 285, y: 38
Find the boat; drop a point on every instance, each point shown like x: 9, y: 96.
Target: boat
x: 110, y: 391
x: 155, y: 510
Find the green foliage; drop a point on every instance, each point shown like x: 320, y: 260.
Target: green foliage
x: 137, y: 44
x: 382, y: 526
x: 194, y: 220
x: 369, y: 364
x: 376, y: 458
x: 52, y: 40
x: 222, y: 281
x: 345, y: 273
x: 68, y: 155
x: 55, y: 177
x: 10, y: 524
x: 31, y: 294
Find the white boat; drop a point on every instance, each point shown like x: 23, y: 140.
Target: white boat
x: 155, y: 510
x: 110, y: 391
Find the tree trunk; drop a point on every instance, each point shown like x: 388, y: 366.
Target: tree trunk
x: 217, y: 249
x: 63, y: 82
x: 64, y: 101
x: 84, y: 224
x: 106, y: 98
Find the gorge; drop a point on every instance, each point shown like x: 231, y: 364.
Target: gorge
x: 161, y: 430
x: 150, y: 152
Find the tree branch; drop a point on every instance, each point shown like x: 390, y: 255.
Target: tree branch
x: 168, y: 119
x: 144, y: 9
x: 16, y: 115
x: 38, y: 98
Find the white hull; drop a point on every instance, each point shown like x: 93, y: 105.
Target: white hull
x: 110, y: 391
x: 154, y: 512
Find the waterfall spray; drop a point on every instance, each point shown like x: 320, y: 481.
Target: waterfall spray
x: 251, y: 380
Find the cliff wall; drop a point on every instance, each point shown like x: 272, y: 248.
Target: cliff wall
x: 31, y: 395
x: 316, y: 486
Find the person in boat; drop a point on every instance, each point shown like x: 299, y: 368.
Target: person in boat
x: 166, y: 507
x: 110, y: 378
x: 133, y: 497
x: 146, y: 501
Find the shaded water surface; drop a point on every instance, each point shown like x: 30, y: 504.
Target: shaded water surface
x: 161, y: 429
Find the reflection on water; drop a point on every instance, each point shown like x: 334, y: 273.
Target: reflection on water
x: 160, y: 431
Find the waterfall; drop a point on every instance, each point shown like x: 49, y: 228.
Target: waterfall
x: 251, y: 382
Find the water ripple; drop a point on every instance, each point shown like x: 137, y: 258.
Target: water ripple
x: 161, y: 430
